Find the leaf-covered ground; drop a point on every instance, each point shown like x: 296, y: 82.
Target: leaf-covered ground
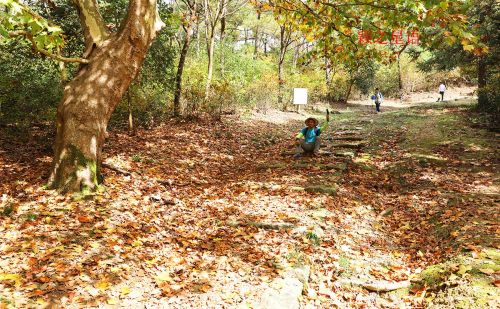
x: 203, y: 214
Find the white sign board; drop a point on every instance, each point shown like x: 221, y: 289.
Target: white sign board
x: 299, y: 95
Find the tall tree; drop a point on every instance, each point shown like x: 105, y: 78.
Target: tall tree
x: 109, y: 64
x: 285, y: 42
x: 189, y: 18
x: 213, y: 13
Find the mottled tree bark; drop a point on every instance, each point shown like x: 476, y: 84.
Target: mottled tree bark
x: 91, y: 97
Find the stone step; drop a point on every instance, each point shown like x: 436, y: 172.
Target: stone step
x: 353, y: 145
x: 345, y: 138
x: 345, y: 133
x: 349, y: 129
x: 344, y: 154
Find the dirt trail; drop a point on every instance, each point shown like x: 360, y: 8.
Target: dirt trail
x: 212, y: 214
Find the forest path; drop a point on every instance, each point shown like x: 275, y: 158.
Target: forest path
x: 212, y: 215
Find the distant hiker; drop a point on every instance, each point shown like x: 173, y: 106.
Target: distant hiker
x: 308, y: 140
x: 442, y: 88
x: 378, y: 98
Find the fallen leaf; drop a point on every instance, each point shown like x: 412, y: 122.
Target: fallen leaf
x: 84, y: 219
x: 102, y: 285
x: 14, y: 277
x: 124, y: 291
x: 487, y: 271
x: 164, y: 276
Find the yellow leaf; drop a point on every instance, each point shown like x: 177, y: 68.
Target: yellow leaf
x: 14, y: 277
x: 487, y: 271
x: 125, y: 290
x: 112, y: 301
x: 468, y: 47
x: 164, y: 276
x: 462, y: 269
x: 137, y: 243
x: 102, y: 285
x: 115, y: 269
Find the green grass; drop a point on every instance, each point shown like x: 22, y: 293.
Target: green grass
x: 315, y: 240
x: 137, y: 158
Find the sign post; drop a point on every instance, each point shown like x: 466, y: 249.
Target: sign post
x: 299, y: 97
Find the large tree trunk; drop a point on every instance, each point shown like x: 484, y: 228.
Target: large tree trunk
x: 91, y: 97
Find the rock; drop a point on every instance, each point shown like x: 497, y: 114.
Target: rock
x: 346, y: 132
x: 299, y: 230
x: 301, y: 273
x: 285, y: 292
x: 338, y: 166
x: 321, y: 213
x: 353, y: 145
x: 330, y: 190
x: 349, y: 138
x: 287, y: 297
x: 385, y: 286
x: 345, y: 154
x: 318, y: 231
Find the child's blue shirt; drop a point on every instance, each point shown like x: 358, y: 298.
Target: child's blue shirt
x: 310, y: 135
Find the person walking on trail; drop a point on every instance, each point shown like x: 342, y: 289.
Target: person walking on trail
x: 442, y: 88
x: 378, y: 98
x: 308, y: 140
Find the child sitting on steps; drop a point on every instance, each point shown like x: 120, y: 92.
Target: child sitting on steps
x: 308, y: 140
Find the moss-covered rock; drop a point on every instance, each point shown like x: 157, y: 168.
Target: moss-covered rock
x: 465, y: 281
x: 326, y: 189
